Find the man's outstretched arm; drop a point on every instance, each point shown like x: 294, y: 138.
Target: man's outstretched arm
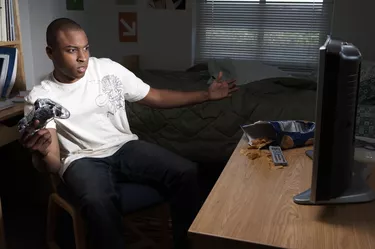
x: 162, y: 98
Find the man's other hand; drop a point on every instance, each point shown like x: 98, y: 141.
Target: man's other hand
x: 220, y: 89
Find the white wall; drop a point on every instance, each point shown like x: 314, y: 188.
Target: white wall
x: 26, y: 42
x: 164, y: 38
x: 353, y: 21
x: 42, y: 12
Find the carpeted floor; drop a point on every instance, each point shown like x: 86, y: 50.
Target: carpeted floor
x: 24, y: 194
x: 24, y: 227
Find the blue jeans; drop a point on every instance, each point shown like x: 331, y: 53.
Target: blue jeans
x: 92, y: 181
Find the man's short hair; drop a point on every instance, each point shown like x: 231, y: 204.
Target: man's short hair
x: 57, y: 25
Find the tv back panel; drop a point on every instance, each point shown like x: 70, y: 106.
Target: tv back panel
x: 336, y: 107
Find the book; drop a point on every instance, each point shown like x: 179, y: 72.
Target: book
x: 3, y: 12
x: 11, y: 20
x: 7, y: 29
x: 20, y: 97
x: 5, y: 104
x: 9, y: 72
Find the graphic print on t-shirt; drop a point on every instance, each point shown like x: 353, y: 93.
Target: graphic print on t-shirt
x: 111, y: 94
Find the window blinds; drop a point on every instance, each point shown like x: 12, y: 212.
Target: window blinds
x: 286, y: 33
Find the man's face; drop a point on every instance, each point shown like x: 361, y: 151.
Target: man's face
x: 70, y: 55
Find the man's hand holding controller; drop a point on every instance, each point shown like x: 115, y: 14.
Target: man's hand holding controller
x: 42, y: 142
x: 35, y: 139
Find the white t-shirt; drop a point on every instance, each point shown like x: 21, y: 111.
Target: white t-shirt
x: 98, y: 124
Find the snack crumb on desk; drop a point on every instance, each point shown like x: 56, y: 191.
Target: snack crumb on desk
x: 254, y: 154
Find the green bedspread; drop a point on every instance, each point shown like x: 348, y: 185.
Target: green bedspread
x: 209, y: 132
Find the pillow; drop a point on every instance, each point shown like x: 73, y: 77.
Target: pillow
x: 366, y: 94
x: 367, y: 70
x: 197, y: 67
x: 298, y: 83
x: 365, y: 121
x: 242, y: 70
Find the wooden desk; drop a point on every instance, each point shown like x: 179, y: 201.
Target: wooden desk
x: 11, y: 112
x: 251, y: 206
x: 9, y: 134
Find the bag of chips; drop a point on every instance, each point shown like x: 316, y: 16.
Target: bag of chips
x: 286, y: 134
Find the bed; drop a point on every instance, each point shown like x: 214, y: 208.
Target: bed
x: 207, y: 133
x: 366, y: 101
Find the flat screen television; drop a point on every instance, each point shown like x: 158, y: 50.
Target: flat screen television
x: 336, y: 178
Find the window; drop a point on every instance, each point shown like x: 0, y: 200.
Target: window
x: 286, y: 33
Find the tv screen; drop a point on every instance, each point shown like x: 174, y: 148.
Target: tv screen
x: 334, y: 178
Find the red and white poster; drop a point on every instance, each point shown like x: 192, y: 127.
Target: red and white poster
x: 128, y: 30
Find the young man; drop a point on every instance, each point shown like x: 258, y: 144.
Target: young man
x: 94, y: 147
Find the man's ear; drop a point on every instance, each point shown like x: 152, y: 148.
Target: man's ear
x: 49, y: 51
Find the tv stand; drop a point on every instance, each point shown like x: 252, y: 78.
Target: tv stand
x: 358, y: 192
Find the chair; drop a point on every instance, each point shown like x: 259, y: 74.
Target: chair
x: 2, y: 231
x: 132, y: 206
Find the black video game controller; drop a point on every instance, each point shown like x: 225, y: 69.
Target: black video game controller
x: 44, y: 111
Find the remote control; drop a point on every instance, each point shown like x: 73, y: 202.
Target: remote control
x: 278, y: 156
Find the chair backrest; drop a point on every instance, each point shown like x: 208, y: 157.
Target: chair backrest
x: 55, y: 181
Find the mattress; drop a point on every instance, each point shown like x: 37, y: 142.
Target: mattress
x: 209, y: 132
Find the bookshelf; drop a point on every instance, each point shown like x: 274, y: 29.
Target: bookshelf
x: 20, y: 81
x: 9, y: 134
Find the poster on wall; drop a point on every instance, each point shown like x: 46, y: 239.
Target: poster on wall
x: 167, y: 4
x: 128, y: 30
x: 74, y: 4
x: 126, y: 2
